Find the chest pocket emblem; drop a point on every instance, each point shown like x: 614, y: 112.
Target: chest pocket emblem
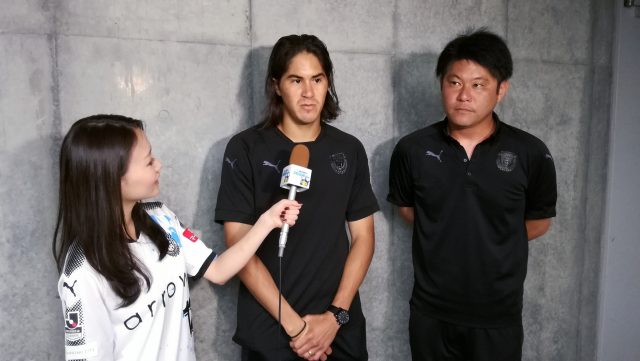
x: 339, y: 163
x: 506, y: 161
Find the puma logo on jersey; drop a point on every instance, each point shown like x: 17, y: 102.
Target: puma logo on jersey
x: 65, y: 284
x: 274, y: 166
x: 432, y: 154
x: 231, y: 163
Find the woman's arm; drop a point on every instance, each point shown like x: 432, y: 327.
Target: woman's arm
x: 230, y: 262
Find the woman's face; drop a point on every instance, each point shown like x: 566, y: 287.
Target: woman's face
x: 141, y: 181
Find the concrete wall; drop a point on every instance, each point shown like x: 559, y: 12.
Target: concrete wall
x: 619, y: 329
x: 193, y: 70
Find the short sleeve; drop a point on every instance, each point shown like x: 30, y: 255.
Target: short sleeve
x: 362, y: 201
x: 87, y: 326
x: 197, y: 255
x: 236, y: 193
x: 400, y: 179
x: 542, y: 188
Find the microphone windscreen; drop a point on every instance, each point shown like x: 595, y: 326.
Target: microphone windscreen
x: 300, y: 155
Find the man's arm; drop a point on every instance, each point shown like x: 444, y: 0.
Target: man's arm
x: 259, y: 282
x: 537, y: 227
x: 358, y: 261
x: 407, y: 214
x: 322, y: 329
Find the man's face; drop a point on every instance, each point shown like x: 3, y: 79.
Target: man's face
x: 303, y: 88
x: 469, y: 94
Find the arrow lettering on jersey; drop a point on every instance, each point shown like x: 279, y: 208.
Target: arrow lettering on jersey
x: 135, y: 320
x: 187, y: 313
x: 65, y: 284
x: 274, y: 166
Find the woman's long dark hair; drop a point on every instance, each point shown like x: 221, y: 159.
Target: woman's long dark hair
x: 285, y: 49
x: 94, y: 157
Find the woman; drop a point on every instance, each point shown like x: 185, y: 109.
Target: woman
x: 123, y: 263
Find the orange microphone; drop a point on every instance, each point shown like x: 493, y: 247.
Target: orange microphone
x: 296, y: 177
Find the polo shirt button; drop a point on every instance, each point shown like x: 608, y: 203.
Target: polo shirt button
x: 465, y: 160
x: 468, y: 173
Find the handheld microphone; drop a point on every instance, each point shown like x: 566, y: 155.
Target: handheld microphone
x: 296, y: 177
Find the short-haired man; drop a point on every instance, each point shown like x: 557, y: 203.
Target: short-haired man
x: 322, y: 270
x: 476, y: 190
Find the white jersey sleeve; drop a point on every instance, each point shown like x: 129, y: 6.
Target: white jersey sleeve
x: 197, y: 255
x: 87, y: 326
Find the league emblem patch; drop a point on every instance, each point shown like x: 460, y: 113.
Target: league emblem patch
x: 73, y: 327
x: 339, y: 163
x: 506, y: 161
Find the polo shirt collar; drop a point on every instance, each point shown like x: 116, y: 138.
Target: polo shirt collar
x: 491, y: 139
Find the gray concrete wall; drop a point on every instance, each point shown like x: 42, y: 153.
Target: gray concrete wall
x: 193, y: 71
x: 619, y: 320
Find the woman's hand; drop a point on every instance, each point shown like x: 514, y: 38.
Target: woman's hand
x: 283, y: 211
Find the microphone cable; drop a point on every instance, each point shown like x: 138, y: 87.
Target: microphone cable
x: 280, y: 297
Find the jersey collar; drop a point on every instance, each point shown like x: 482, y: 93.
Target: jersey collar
x: 444, y: 129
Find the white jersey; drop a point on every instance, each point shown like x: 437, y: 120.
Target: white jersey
x: 158, y: 325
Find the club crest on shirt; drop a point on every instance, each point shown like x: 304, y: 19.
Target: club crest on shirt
x: 506, y: 161
x: 73, y: 326
x: 174, y: 249
x: 339, y: 163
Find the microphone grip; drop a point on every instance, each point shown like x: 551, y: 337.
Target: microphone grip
x: 284, y: 232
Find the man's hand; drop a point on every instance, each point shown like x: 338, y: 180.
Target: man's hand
x: 315, y: 341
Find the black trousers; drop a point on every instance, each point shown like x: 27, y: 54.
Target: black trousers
x: 435, y: 340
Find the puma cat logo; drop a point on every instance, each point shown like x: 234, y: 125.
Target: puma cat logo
x: 437, y: 156
x: 232, y: 164
x: 274, y: 166
x: 65, y: 284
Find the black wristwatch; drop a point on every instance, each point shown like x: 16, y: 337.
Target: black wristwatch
x: 342, y: 315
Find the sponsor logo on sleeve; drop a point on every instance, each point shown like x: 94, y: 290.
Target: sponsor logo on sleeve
x: 188, y: 234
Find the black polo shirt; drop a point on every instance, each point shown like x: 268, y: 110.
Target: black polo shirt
x: 470, y: 243
x: 318, y: 244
